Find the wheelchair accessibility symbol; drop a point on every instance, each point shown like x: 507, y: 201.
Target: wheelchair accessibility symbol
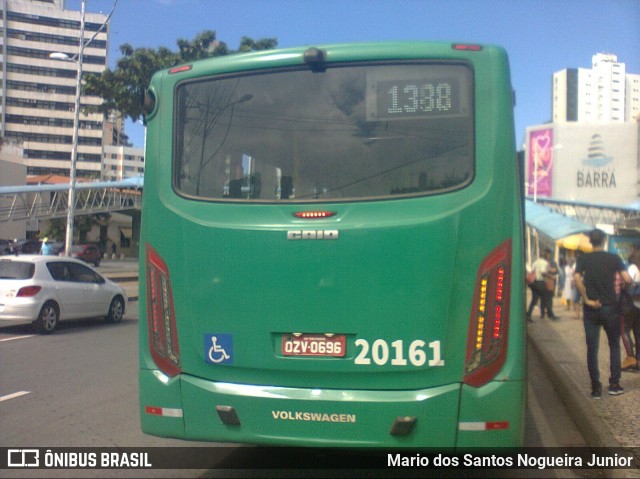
x: 218, y: 348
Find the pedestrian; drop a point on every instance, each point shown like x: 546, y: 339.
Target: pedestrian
x: 562, y: 267
x: 630, y: 317
x: 569, y: 286
x: 577, y: 306
x: 595, y: 276
x: 550, y: 285
x: 46, y: 249
x: 538, y: 289
x: 625, y: 309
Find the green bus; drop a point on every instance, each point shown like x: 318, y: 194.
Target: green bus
x: 331, y: 249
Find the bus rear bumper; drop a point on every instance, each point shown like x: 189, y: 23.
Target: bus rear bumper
x: 192, y: 408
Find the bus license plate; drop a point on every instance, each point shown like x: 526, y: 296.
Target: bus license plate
x: 314, y: 345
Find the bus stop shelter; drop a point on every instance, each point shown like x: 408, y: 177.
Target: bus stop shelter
x: 545, y: 225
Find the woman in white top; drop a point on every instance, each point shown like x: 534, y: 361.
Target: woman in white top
x: 569, y: 290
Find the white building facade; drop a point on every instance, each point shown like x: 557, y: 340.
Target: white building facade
x: 605, y: 93
x: 122, y: 162
x: 38, y: 92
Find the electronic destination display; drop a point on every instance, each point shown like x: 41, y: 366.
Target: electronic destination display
x: 413, y: 96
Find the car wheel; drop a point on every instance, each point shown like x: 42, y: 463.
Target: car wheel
x: 116, y: 310
x: 97, y: 263
x: 48, y: 318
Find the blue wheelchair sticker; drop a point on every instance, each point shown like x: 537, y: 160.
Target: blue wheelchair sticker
x: 218, y: 348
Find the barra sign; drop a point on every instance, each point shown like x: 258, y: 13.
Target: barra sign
x: 596, y: 163
x: 595, y: 172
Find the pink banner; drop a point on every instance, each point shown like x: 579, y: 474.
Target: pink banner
x: 540, y: 161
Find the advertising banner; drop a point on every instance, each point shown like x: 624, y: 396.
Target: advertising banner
x: 540, y: 163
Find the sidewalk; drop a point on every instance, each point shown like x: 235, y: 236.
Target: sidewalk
x: 613, y: 421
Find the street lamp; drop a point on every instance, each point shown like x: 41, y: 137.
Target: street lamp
x: 71, y: 205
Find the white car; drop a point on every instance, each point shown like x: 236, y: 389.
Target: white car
x: 47, y: 289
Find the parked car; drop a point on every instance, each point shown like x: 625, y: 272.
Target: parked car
x: 6, y: 247
x: 29, y: 246
x: 48, y: 289
x: 58, y: 247
x: 87, y: 253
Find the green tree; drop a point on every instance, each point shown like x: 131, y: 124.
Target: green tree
x: 85, y: 223
x: 122, y: 88
x: 55, y: 229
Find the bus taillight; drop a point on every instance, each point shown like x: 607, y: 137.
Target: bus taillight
x: 161, y: 317
x: 489, y: 321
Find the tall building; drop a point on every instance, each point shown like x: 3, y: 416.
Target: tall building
x: 38, y: 93
x: 590, y: 152
x: 122, y: 162
x: 606, y: 93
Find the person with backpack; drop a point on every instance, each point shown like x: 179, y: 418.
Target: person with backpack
x: 595, y: 276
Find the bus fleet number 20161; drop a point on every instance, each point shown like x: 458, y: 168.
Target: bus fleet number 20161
x: 380, y: 352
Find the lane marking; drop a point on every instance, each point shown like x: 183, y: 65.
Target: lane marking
x: 17, y: 337
x: 14, y: 395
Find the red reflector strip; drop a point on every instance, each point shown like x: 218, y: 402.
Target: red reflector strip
x: 467, y: 47
x: 183, y: 68
x: 483, y: 426
x: 314, y: 214
x: 498, y: 425
x: 163, y: 411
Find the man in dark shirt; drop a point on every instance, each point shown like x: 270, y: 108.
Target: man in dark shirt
x: 595, y: 277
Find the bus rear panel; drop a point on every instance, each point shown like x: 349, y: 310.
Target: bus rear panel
x: 331, y: 249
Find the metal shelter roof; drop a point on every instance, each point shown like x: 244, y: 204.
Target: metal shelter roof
x: 553, y: 224
x: 625, y: 217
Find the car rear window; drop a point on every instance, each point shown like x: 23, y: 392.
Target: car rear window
x: 16, y: 270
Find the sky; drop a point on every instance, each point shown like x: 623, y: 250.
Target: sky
x: 540, y: 36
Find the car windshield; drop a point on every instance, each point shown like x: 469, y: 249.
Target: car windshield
x: 16, y: 270
x: 350, y: 132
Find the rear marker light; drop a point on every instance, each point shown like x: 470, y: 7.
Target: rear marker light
x: 467, y: 47
x: 314, y: 214
x: 179, y: 69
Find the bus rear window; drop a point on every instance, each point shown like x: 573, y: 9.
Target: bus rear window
x: 351, y: 132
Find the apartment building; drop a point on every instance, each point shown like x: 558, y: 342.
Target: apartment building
x: 122, y: 162
x: 38, y: 92
x: 605, y: 93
